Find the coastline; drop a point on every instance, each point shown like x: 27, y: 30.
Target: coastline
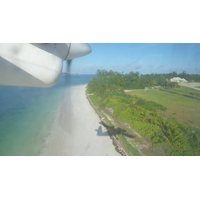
x: 104, y: 117
x: 77, y: 129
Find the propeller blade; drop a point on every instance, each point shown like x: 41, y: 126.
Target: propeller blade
x: 69, y: 62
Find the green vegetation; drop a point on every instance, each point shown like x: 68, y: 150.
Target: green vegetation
x: 119, y: 133
x: 187, y: 90
x: 130, y: 149
x: 184, y: 91
x: 183, y: 108
x: 157, y: 115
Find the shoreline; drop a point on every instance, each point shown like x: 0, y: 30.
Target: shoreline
x: 118, y: 147
x: 77, y: 129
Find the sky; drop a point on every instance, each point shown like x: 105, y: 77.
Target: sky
x: 145, y: 58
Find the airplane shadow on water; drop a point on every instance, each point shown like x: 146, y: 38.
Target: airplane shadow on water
x: 111, y: 130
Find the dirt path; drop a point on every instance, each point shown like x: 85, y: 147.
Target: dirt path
x: 191, y: 85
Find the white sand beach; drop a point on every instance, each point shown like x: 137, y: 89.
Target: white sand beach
x: 76, y: 129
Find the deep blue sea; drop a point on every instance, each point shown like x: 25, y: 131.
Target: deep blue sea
x: 26, y: 114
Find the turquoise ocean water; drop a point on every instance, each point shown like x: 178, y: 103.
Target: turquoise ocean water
x: 26, y: 115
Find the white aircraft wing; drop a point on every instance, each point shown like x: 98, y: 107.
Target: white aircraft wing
x: 36, y: 65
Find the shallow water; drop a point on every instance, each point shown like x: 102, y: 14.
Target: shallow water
x: 26, y: 115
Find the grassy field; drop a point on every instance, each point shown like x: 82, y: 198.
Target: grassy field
x: 187, y: 90
x: 183, y: 108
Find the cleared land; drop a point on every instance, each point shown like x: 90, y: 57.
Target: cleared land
x: 183, y: 108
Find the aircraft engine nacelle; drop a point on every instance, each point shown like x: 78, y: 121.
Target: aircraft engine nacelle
x: 38, y: 64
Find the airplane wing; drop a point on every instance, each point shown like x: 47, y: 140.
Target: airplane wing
x: 38, y: 64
